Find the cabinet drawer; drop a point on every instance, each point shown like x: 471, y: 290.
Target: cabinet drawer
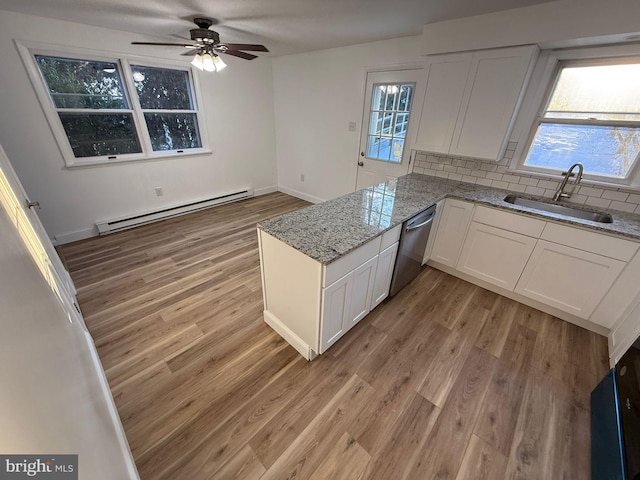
x: 509, y: 221
x: 590, y: 242
x: 390, y: 237
x: 351, y: 261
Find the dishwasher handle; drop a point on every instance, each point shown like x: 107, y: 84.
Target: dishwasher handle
x: 420, y: 225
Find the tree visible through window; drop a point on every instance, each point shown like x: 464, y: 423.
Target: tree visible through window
x: 166, y: 100
x: 592, y: 116
x: 100, y: 119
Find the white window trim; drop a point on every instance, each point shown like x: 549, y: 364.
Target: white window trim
x: 540, y: 86
x: 28, y: 50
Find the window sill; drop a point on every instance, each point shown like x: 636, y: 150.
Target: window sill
x: 78, y: 163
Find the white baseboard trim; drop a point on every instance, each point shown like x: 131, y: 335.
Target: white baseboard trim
x: 69, y: 237
x: 264, y: 190
x: 286, y: 333
x: 298, y: 194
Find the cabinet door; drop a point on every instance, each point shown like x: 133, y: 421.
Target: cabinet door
x: 446, y: 78
x: 495, y: 255
x: 384, y: 270
x: 451, y: 231
x: 566, y: 278
x: 361, y: 292
x: 496, y: 83
x: 335, y: 304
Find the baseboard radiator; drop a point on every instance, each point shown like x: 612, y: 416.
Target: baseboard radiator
x: 117, y: 224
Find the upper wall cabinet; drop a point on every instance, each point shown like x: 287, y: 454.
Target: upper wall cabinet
x: 471, y: 100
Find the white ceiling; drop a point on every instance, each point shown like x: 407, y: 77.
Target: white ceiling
x: 284, y: 26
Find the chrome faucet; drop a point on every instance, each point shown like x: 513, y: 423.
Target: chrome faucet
x: 559, y: 195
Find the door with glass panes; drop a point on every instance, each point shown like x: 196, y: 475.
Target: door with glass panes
x: 386, y: 125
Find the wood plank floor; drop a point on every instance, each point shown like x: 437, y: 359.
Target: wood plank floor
x: 446, y: 380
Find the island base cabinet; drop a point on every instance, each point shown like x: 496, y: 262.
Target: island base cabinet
x: 566, y: 278
x: 384, y: 271
x: 346, y: 302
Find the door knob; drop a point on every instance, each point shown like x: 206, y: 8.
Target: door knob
x: 361, y: 163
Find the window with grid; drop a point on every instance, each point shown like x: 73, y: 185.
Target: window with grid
x: 111, y: 110
x: 390, y: 107
x: 591, y: 116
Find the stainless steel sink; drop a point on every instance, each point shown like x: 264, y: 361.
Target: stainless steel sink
x: 601, y: 217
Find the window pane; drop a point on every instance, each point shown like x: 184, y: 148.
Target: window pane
x: 392, y: 97
x: 386, y: 123
x: 405, y: 98
x: 595, y: 91
x: 379, y: 96
x: 76, y: 83
x: 603, y: 150
x: 389, y: 119
x: 402, y: 120
x: 398, y: 147
x: 375, y: 124
x: 97, y: 134
x: 385, y: 149
x: 373, y: 144
x: 173, y: 131
x: 162, y: 88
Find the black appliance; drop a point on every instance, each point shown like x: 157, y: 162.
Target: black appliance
x: 615, y: 421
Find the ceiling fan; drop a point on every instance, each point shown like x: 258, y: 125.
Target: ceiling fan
x: 206, y: 45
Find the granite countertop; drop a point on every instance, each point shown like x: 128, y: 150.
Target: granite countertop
x: 329, y: 230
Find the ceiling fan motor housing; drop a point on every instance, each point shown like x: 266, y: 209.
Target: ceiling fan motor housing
x: 204, y: 35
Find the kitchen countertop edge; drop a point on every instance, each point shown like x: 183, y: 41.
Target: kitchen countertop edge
x: 308, y: 230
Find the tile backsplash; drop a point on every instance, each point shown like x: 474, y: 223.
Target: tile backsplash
x: 496, y: 174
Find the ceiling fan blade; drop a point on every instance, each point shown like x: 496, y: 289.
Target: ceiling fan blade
x: 237, y: 53
x: 252, y: 47
x: 166, y: 44
x: 189, y: 53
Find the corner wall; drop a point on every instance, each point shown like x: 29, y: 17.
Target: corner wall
x: 238, y: 108
x: 316, y: 95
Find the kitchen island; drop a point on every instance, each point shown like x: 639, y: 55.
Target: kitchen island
x: 326, y: 266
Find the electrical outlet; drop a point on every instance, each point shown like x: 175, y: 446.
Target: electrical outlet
x: 302, y: 177
x: 159, y: 191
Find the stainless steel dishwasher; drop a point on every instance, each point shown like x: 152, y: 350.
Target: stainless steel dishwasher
x: 413, y: 241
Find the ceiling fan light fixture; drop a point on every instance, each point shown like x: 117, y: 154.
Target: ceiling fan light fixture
x: 207, y: 62
x: 219, y: 63
x: 197, y: 61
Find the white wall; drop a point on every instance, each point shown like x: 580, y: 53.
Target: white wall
x: 562, y: 23
x: 53, y: 397
x: 238, y: 108
x: 316, y: 95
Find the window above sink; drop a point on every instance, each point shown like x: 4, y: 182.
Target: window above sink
x: 583, y: 105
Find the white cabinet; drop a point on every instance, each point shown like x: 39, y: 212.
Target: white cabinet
x: 573, y: 269
x: 312, y: 305
x: 624, y: 332
x: 495, y: 255
x: 569, y: 279
x: 349, y: 299
x: 498, y: 245
x: 384, y: 271
x: 346, y: 302
x: 446, y: 78
x: 471, y: 100
x: 452, y: 229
